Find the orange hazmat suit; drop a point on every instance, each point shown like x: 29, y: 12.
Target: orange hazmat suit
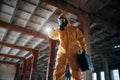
x: 71, y: 38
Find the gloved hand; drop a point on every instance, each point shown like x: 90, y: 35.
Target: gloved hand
x: 62, y: 22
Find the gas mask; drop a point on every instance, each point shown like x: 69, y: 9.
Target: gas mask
x: 62, y: 22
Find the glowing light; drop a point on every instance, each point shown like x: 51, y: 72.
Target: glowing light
x: 48, y: 30
x: 117, y: 46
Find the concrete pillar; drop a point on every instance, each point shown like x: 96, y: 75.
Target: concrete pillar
x: 98, y: 75
x: 106, y: 66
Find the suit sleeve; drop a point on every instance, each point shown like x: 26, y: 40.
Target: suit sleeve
x: 80, y: 39
x: 54, y: 35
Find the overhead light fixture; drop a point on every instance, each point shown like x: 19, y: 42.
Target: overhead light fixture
x: 117, y: 46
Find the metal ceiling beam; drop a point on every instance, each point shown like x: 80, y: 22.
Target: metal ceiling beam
x: 11, y: 56
x: 17, y: 47
x: 61, y: 7
x: 22, y: 30
x: 6, y: 62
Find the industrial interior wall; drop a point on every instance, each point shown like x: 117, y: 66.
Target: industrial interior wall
x: 7, y: 71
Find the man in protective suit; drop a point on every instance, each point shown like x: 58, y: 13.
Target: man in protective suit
x: 71, y: 38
